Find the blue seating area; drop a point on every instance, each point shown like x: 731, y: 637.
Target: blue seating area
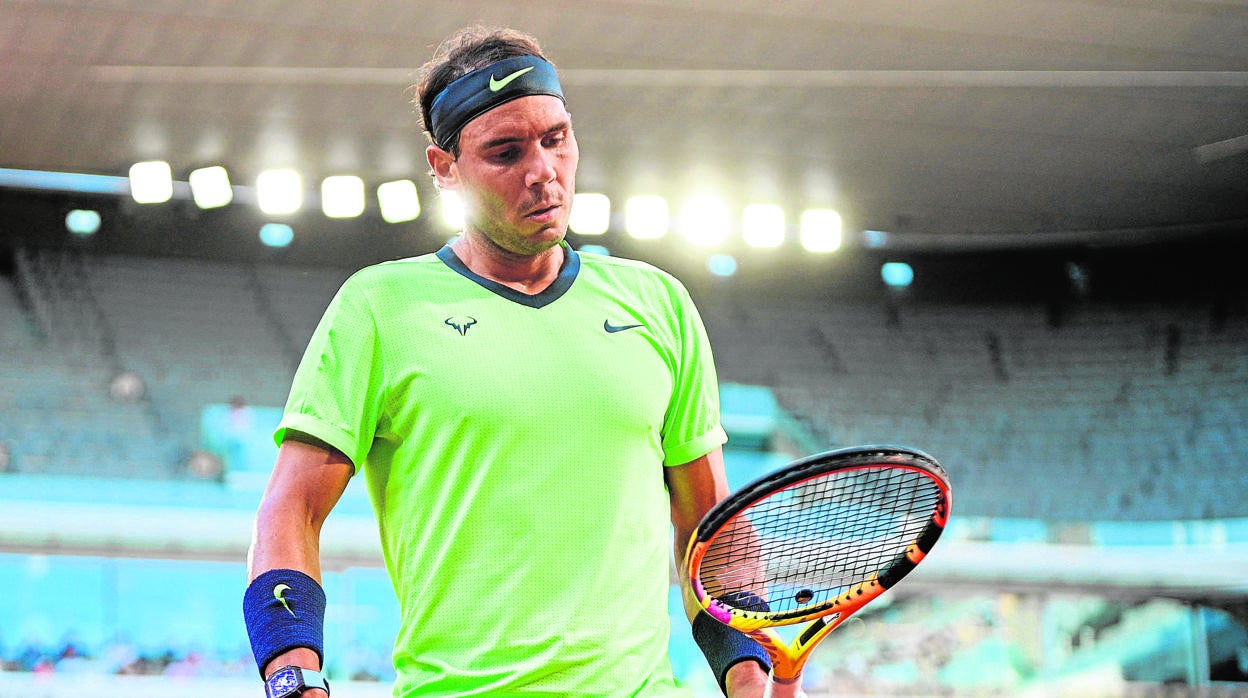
x: 188, y: 333
x: 1121, y: 412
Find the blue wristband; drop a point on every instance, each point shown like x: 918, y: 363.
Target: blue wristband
x: 725, y: 647
x: 283, y: 610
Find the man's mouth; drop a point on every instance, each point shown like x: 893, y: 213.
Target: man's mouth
x: 543, y: 213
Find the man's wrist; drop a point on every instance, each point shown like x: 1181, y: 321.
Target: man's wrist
x: 745, y: 678
x: 299, y: 656
x: 726, y: 647
x: 293, y: 681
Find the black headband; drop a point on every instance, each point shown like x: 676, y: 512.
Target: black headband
x: 479, y: 91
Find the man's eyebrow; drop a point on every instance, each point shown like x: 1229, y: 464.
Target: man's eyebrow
x: 504, y: 140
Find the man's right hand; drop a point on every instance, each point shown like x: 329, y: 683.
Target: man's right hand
x: 748, y: 680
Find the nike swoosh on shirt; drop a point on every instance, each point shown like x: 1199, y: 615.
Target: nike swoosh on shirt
x: 496, y: 85
x: 612, y: 329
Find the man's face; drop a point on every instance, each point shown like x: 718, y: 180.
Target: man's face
x: 516, y: 173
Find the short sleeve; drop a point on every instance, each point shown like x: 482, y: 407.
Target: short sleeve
x: 692, y: 425
x: 338, y: 389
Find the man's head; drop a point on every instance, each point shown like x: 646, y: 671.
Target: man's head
x: 502, y: 138
x: 469, y: 49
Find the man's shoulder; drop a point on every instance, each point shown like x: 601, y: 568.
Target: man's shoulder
x: 621, y: 268
x: 382, y: 273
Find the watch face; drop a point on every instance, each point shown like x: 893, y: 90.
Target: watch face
x: 284, y: 683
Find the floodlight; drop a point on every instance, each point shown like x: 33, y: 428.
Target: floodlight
x: 279, y: 192
x: 399, y: 201
x: 645, y: 217
x: 591, y: 214
x: 762, y: 225
x: 705, y: 220
x: 820, y: 230
x: 342, y: 196
x: 210, y: 187
x: 151, y: 182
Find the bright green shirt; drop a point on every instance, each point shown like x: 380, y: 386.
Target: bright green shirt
x: 513, y: 447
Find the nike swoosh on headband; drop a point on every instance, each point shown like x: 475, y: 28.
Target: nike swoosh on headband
x: 496, y: 85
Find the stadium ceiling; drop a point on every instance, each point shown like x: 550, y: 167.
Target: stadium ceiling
x: 958, y: 119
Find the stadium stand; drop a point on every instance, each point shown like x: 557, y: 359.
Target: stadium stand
x: 1134, y: 414
x: 63, y: 408
x: 1105, y: 404
x: 1102, y: 406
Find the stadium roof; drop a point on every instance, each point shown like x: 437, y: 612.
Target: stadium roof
x: 942, y: 118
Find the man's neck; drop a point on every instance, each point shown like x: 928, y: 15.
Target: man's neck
x: 529, y: 274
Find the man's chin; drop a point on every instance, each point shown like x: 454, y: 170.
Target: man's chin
x: 534, y: 244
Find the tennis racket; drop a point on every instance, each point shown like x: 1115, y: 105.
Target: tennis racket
x: 815, y: 542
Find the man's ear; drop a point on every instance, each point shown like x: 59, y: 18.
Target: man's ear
x: 444, y: 167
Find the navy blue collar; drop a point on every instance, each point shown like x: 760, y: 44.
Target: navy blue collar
x: 567, y: 274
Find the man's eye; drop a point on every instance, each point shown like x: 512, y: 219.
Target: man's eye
x: 507, y: 155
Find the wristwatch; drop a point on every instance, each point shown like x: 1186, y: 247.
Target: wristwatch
x: 291, y: 681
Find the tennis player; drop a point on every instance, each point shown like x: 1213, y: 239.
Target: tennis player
x: 530, y: 422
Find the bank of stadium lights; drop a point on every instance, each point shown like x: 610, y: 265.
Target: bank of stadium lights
x: 210, y: 187
x: 705, y: 221
x: 591, y: 214
x: 151, y: 182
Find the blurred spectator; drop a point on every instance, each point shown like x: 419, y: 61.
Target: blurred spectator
x: 127, y: 386
x: 205, y: 465
x: 191, y: 665
x: 239, y: 426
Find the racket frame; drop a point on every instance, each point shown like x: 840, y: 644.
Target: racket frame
x: 789, y: 657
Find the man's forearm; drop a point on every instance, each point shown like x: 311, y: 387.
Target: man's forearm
x: 284, y: 604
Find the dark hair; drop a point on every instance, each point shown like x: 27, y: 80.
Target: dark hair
x: 464, y: 52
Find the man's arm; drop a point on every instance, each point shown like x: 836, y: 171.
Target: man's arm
x: 308, y: 479
x: 694, y: 488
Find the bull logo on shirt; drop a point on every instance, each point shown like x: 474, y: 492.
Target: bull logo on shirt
x: 461, y: 323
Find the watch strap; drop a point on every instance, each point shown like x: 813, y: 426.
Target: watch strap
x: 315, y: 679
x: 301, y: 678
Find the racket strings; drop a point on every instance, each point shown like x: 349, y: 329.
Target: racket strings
x: 805, y: 545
